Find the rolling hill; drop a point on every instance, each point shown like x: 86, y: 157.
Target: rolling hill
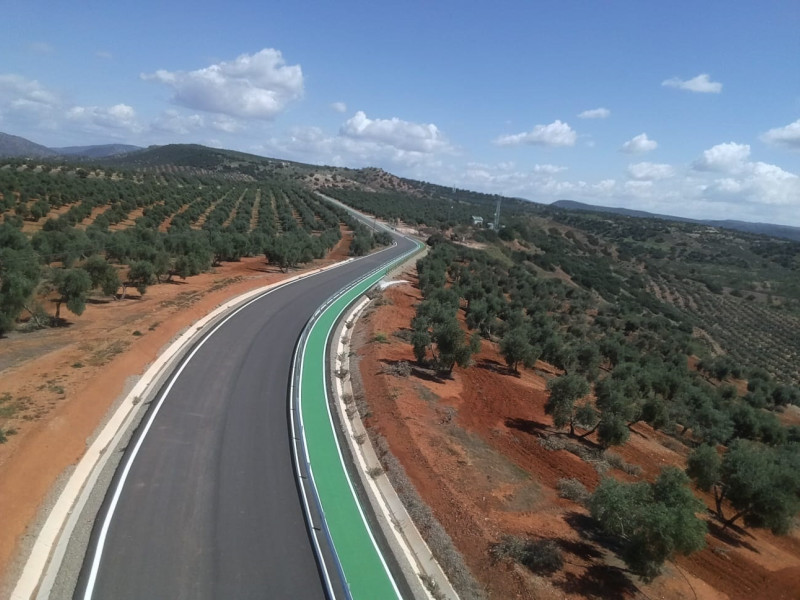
x: 15, y: 146
x: 781, y: 231
x: 100, y: 151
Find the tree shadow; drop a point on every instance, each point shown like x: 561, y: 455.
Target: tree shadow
x: 732, y: 535
x: 528, y: 426
x: 403, y: 333
x: 435, y: 376
x: 599, y: 581
x: 426, y: 374
x: 580, y: 549
x: 99, y: 300
x: 588, y: 529
x: 494, y: 366
x: 637, y: 432
x: 60, y: 322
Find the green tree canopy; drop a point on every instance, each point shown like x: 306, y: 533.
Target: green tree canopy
x: 565, y: 391
x: 19, y: 274
x: 102, y: 274
x: 761, y: 483
x: 655, y: 521
x: 516, y: 348
x: 73, y: 287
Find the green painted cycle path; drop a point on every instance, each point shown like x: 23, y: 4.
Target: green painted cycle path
x: 364, y: 568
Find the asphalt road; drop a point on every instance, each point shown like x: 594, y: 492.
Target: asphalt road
x: 210, y: 506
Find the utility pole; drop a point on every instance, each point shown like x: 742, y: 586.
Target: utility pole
x: 497, y: 215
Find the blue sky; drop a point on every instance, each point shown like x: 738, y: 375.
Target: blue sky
x: 686, y: 108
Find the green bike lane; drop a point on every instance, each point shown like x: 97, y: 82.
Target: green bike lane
x: 361, y: 563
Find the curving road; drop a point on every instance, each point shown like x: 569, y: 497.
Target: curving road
x: 209, y: 507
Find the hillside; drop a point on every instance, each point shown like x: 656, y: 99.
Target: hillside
x: 241, y: 166
x: 780, y: 231
x: 518, y: 380
x: 15, y: 146
x: 92, y: 152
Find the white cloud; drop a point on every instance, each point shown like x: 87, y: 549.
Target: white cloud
x: 172, y: 121
x: 701, y: 84
x: 402, y: 135
x: 784, y: 136
x: 119, y: 116
x: 646, y: 171
x: 730, y: 157
x: 258, y: 85
x: 639, y: 144
x: 104, y: 54
x: 31, y: 108
x: 175, y: 122
x: 745, y: 182
x: 595, y: 113
x: 226, y: 124
x: 639, y: 187
x: 757, y: 184
x: 18, y: 92
x: 548, y: 169
x: 554, y: 134
x: 339, y: 107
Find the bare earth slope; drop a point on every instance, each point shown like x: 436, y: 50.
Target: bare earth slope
x: 471, y: 445
x: 58, y: 384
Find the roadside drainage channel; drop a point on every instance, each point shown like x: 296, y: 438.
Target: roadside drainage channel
x: 398, y: 527
x: 44, y: 562
x: 334, y: 514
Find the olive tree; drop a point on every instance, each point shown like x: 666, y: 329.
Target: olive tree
x: 655, y: 521
x: 762, y: 484
x: 565, y: 391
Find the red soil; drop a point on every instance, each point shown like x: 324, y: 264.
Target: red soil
x: 471, y: 447
x: 63, y: 381
x: 96, y: 212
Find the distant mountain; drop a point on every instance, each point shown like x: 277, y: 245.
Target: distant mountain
x: 625, y: 212
x: 15, y: 146
x: 101, y: 151
x: 780, y: 231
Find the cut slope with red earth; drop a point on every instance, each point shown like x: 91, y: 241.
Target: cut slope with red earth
x: 472, y: 446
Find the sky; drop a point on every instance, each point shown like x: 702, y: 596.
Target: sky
x: 683, y: 107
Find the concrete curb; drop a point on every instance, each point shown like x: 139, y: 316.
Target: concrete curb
x: 44, y: 561
x: 422, y: 570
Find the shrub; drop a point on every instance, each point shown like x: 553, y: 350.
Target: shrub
x: 572, y: 489
x: 540, y: 556
x: 401, y: 368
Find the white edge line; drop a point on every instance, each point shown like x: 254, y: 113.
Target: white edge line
x: 299, y: 414
x: 49, y: 547
x: 120, y: 484
x: 344, y: 466
x: 299, y: 358
x: 315, y: 317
